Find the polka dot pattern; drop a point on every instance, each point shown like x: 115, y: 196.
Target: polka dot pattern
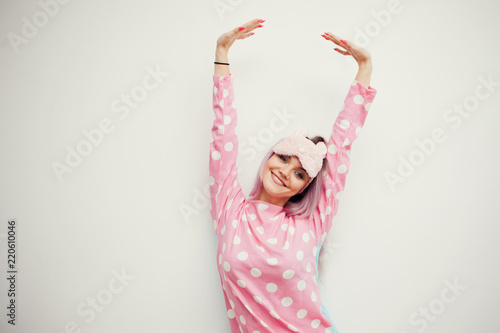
x: 216, y: 155
x: 263, y: 206
x: 272, y: 240
x: 301, y: 285
x: 256, y: 272
x: 242, y: 256
x: 305, y: 237
x: 288, y: 274
x: 344, y: 124
x: 358, y: 99
x: 267, y: 259
x: 271, y: 287
x: 236, y: 240
x: 272, y: 261
x: 301, y: 313
x: 287, y: 301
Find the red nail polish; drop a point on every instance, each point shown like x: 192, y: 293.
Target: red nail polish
x: 242, y: 28
x: 253, y: 33
x: 343, y: 41
x: 262, y: 21
x: 260, y: 25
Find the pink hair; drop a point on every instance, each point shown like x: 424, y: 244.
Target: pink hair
x: 301, y: 205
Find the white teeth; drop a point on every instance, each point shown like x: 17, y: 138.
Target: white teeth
x: 277, y: 179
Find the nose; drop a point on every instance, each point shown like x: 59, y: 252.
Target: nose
x: 285, y: 171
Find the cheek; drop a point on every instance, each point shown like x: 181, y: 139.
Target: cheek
x: 297, y: 185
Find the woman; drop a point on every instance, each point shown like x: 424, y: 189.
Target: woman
x: 268, y: 245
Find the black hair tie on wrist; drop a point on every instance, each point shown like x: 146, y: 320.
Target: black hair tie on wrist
x: 221, y: 63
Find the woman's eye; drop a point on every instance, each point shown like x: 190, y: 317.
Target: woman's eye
x: 300, y: 175
x: 282, y: 158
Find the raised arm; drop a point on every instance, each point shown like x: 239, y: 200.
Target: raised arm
x: 346, y: 129
x: 227, y: 39
x: 224, y: 187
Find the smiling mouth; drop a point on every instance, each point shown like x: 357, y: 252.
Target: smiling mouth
x: 277, y: 180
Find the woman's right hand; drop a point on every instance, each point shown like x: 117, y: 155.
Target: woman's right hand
x: 227, y: 39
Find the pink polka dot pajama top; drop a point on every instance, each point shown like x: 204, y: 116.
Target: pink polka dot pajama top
x: 267, y: 260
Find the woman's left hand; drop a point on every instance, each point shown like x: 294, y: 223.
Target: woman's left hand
x: 360, y: 54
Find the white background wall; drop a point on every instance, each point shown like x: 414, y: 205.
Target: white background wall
x: 393, y: 249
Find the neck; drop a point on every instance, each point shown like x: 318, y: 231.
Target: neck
x: 263, y: 196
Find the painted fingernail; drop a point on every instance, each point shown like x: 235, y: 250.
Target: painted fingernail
x: 253, y: 33
x: 336, y: 49
x: 260, y: 25
x: 262, y: 21
x: 343, y: 41
x: 242, y: 28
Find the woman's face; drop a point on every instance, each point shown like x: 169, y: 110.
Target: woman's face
x: 282, y: 178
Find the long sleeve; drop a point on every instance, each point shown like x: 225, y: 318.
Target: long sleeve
x: 346, y: 129
x: 224, y: 186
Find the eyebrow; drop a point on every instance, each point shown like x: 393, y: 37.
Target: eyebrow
x: 290, y: 157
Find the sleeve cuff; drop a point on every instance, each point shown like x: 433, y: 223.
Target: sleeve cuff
x: 361, y: 88
x: 223, y: 78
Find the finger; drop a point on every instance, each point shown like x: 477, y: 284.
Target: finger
x: 335, y: 39
x: 251, y: 25
x: 342, y: 51
x: 246, y: 35
x: 252, y: 22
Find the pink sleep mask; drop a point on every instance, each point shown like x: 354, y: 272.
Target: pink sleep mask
x: 309, y: 154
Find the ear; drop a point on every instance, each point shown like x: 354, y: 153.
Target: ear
x: 322, y: 147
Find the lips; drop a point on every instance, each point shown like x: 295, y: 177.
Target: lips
x: 277, y: 180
